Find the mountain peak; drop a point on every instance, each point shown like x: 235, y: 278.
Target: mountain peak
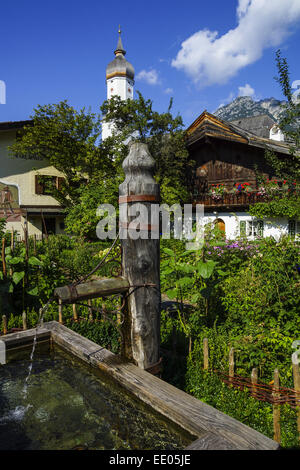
x: 244, y: 106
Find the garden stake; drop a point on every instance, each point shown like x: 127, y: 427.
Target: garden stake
x: 3, y: 256
x: 254, y: 380
x: 60, y: 319
x: 4, y: 318
x: 24, y: 321
x: 205, y: 354
x: 276, y: 408
x: 296, y: 376
x: 231, y: 364
x: 75, y: 312
x: 34, y: 244
x: 90, y: 310
x: 12, y: 240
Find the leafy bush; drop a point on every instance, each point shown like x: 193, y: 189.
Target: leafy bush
x: 238, y: 404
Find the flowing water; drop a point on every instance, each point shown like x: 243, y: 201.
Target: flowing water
x: 69, y: 406
x: 39, y: 324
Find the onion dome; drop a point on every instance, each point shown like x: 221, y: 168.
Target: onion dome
x: 120, y: 67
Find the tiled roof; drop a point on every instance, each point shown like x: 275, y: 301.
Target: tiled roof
x: 258, y: 125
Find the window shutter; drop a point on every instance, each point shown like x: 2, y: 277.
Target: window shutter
x: 60, y: 181
x: 39, y: 187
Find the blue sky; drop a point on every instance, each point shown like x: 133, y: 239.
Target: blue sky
x: 201, y: 53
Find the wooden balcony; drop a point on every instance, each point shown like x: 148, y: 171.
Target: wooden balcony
x: 229, y: 200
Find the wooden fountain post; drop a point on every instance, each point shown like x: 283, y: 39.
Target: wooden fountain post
x: 140, y: 259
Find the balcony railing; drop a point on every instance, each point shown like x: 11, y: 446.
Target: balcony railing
x: 229, y: 199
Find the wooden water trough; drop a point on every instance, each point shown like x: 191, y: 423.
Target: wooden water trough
x: 210, y: 428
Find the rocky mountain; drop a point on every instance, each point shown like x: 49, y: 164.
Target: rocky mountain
x: 245, y: 106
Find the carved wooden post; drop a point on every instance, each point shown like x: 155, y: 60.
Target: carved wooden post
x: 140, y: 259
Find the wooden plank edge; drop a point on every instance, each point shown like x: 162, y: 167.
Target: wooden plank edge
x: 24, y: 338
x: 188, y: 412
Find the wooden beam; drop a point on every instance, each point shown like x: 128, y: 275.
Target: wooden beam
x: 101, y: 287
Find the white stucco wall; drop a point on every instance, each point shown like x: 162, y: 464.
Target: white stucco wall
x: 118, y: 86
x: 275, y: 227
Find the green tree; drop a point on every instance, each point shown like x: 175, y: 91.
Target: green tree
x: 71, y: 141
x: 68, y: 140
x: 164, y: 134
x: 284, y: 167
x: 287, y: 168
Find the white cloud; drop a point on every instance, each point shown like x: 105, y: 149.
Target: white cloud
x: 150, y: 77
x: 296, y: 94
x: 212, y: 59
x: 242, y: 8
x: 168, y: 91
x: 296, y: 84
x: 246, y: 90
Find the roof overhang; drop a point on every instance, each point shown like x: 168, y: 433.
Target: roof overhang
x: 14, y: 125
x: 209, y: 126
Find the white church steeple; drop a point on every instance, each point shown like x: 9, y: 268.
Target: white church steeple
x: 119, y: 80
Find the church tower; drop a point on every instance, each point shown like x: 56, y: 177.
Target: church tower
x: 119, y: 81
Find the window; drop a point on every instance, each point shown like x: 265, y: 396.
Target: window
x: 45, y: 184
x: 251, y: 228
x: 49, y: 226
x: 243, y: 228
x: 294, y: 228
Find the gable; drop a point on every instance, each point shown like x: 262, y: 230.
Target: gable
x: 209, y: 125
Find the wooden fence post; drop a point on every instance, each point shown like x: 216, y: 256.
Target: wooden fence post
x: 34, y: 244
x: 75, y: 316
x: 4, y: 319
x: 60, y: 318
x: 205, y: 354
x: 296, y: 375
x: 3, y: 257
x: 104, y: 311
x: 276, y: 408
x: 140, y: 258
x: 231, y: 364
x: 190, y: 345
x: 254, y: 379
x: 12, y: 240
x: 90, y: 310
x: 24, y: 320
